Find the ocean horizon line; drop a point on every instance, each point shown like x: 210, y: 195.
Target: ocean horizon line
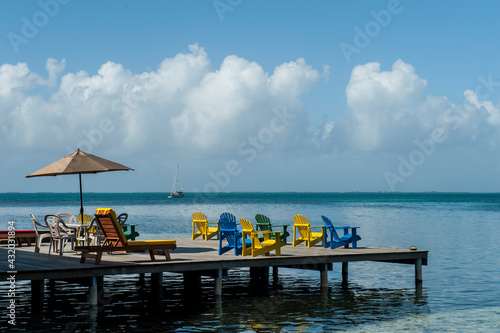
x: 264, y: 192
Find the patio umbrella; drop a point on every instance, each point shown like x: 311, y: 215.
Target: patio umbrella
x: 78, y: 163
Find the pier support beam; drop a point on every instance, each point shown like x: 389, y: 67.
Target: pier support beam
x: 37, y: 294
x: 156, y: 280
x: 94, y: 286
x: 275, y: 276
x: 345, y: 272
x: 259, y: 280
x: 275, y: 272
x: 218, y: 283
x: 324, y: 276
x: 192, y: 284
x: 192, y: 280
x: 418, y: 271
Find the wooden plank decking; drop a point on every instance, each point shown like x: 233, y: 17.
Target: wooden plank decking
x: 190, y: 256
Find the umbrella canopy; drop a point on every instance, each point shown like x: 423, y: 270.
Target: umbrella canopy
x: 77, y: 163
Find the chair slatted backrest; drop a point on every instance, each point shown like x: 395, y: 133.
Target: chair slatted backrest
x: 106, y: 217
x: 302, y: 224
x: 263, y: 222
x: 200, y: 220
x: 229, y: 216
x: 247, y: 225
x: 329, y: 225
x: 85, y: 219
x: 227, y: 224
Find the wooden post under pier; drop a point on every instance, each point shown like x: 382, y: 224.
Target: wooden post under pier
x: 418, y: 271
x: 218, y: 282
x: 259, y: 280
x: 275, y: 275
x: 37, y: 294
x: 93, y: 299
x: 192, y: 284
x: 156, y: 280
x: 324, y: 276
x: 345, y: 272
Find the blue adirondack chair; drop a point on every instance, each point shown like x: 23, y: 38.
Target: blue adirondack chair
x: 334, y: 241
x: 232, y: 234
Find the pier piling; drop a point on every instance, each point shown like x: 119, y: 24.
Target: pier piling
x: 345, y: 272
x: 418, y: 271
x: 94, y: 284
x: 218, y: 283
x: 37, y: 294
x: 324, y: 276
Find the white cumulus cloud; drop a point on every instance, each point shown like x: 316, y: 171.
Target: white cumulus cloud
x: 389, y: 111
x: 183, y: 105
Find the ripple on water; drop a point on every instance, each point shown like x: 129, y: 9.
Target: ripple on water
x: 296, y: 302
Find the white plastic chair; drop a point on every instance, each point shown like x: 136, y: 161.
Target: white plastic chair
x: 42, y: 232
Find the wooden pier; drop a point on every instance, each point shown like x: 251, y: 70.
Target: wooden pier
x: 193, y: 259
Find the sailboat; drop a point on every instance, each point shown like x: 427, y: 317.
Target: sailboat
x: 175, y: 193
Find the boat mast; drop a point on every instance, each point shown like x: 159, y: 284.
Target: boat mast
x: 174, y: 186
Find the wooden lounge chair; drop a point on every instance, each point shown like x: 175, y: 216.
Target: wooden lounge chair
x: 232, y: 234
x: 259, y: 247
x: 302, y: 232
x: 115, y: 240
x: 336, y: 241
x: 201, y: 224
x: 264, y: 224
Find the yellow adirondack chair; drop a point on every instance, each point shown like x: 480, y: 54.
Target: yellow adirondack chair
x: 260, y: 247
x: 83, y: 235
x: 201, y: 227
x: 305, y: 233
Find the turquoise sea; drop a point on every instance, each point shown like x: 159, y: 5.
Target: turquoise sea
x: 460, y: 292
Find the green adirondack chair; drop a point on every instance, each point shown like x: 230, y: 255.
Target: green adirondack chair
x: 264, y: 224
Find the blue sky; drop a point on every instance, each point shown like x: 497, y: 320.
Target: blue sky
x: 253, y: 95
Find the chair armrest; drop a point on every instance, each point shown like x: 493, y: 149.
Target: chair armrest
x: 318, y: 227
x: 213, y: 222
x: 265, y: 232
x: 66, y: 227
x: 232, y: 230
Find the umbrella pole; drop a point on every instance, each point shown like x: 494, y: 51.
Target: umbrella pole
x: 81, y: 197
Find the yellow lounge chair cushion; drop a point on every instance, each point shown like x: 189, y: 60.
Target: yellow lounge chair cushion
x: 105, y: 211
